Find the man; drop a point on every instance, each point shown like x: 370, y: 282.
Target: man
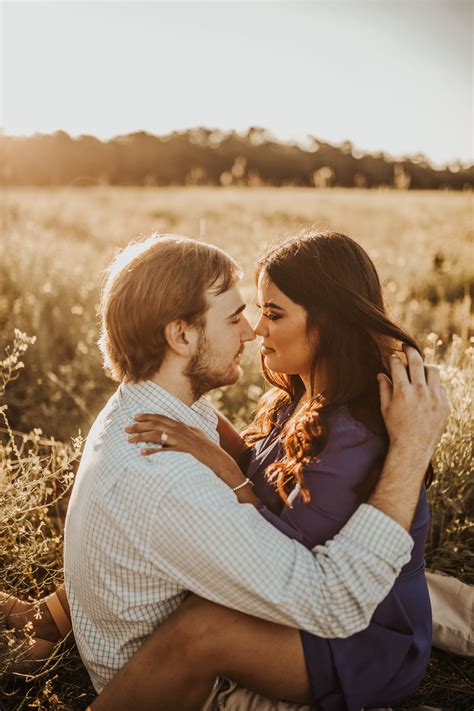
x: 142, y: 532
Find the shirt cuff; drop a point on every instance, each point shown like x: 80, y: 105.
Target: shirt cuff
x: 372, y: 529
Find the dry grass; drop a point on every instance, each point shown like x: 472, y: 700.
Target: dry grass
x: 55, y: 243
x: 53, y: 247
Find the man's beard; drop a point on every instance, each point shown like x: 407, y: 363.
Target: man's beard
x: 203, y: 373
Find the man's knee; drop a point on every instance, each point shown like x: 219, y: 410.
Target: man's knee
x: 196, y: 629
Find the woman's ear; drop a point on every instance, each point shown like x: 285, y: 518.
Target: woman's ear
x: 181, y: 338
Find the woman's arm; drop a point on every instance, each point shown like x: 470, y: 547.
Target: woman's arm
x: 178, y: 437
x: 230, y: 439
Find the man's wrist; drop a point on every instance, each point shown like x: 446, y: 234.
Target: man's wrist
x: 398, y: 489
x: 409, y: 458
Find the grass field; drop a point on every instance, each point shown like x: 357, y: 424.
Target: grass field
x: 55, y: 243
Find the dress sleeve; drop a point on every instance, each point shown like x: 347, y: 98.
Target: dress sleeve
x: 334, y: 480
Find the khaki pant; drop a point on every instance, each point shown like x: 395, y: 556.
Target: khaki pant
x: 228, y: 696
x: 453, y: 614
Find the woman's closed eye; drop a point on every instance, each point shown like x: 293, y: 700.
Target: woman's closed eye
x: 271, y: 317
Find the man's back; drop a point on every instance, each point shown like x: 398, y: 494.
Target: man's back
x: 117, y: 593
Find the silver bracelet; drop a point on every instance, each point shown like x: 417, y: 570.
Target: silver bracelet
x: 244, y: 483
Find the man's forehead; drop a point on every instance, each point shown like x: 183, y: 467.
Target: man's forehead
x: 229, y: 300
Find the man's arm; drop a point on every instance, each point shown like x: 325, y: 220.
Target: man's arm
x: 227, y: 553
x: 415, y: 409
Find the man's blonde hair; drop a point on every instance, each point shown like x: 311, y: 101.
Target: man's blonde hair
x: 149, y: 284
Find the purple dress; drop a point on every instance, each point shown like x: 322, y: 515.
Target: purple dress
x: 383, y: 664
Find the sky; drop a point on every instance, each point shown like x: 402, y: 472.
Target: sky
x: 389, y: 75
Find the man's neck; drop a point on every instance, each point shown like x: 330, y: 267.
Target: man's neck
x: 174, y: 382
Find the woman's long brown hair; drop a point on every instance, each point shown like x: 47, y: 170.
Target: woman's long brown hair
x: 333, y: 278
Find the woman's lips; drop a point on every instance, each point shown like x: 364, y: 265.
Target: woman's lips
x: 266, y: 351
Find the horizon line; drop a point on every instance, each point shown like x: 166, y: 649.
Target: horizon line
x: 413, y: 157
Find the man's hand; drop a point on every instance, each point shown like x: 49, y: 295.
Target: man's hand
x: 415, y: 409
x: 414, y: 406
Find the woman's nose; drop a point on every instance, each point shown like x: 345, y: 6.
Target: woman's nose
x: 260, y: 328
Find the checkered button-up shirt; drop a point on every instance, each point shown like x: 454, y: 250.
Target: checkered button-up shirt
x: 142, y: 531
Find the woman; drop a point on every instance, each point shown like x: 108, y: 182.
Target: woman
x: 313, y: 454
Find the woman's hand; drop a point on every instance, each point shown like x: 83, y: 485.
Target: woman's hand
x: 171, y: 436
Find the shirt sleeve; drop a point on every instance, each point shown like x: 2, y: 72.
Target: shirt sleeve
x: 226, y: 552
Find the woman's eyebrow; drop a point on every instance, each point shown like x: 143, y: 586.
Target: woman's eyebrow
x: 238, y: 311
x: 271, y: 305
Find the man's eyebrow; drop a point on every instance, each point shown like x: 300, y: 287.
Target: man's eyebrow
x: 271, y: 305
x: 238, y: 311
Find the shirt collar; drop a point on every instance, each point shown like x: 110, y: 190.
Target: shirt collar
x: 148, y: 396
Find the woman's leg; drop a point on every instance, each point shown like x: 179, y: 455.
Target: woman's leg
x: 177, y: 666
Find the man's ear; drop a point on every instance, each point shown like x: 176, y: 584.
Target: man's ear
x: 181, y: 338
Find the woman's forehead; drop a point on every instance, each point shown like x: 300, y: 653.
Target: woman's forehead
x: 268, y: 291
x: 265, y: 284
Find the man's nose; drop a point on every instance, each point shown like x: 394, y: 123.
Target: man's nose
x: 247, y: 334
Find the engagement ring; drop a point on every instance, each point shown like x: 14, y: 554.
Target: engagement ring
x: 164, y: 438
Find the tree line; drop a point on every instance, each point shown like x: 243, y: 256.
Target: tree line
x: 204, y: 156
